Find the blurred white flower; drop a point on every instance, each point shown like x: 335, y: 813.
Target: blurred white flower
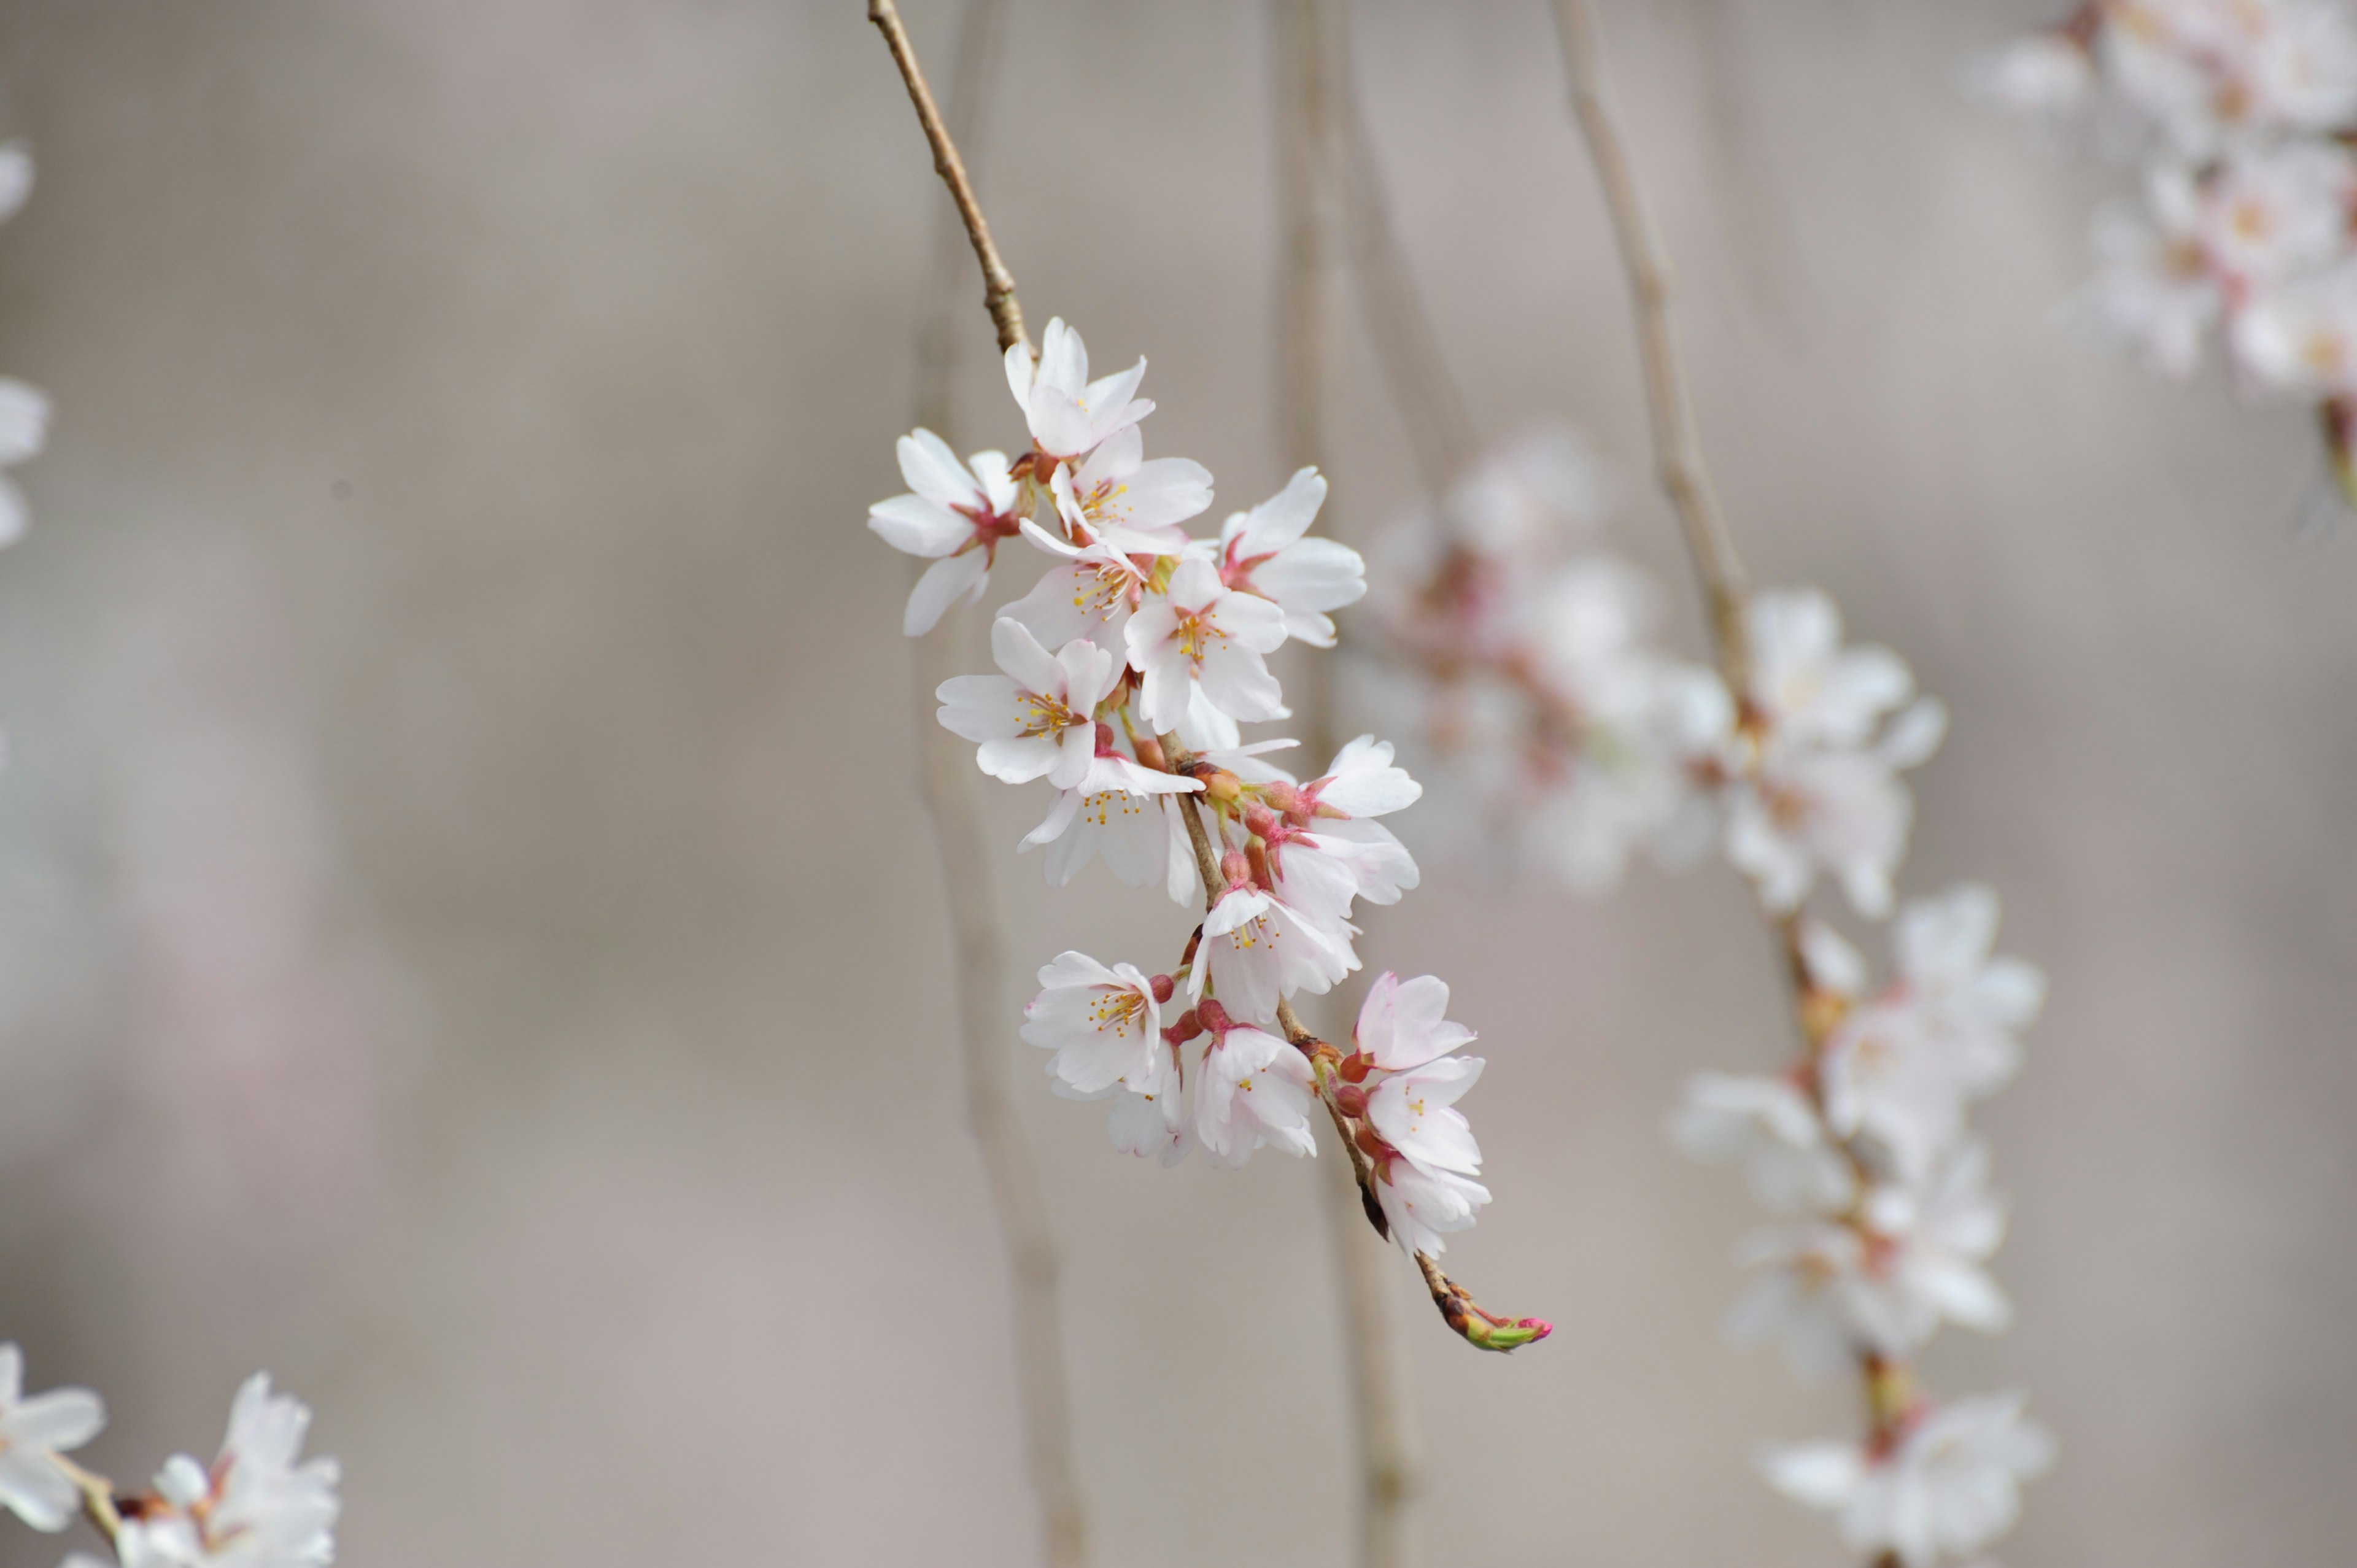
x: 1769, y: 1129
x: 1951, y: 1485
x: 33, y: 1433
x: 1900, y: 1069
x: 259, y: 1505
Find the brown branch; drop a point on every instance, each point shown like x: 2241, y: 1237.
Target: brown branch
x: 998, y: 284
x: 980, y: 986
x: 1677, y: 444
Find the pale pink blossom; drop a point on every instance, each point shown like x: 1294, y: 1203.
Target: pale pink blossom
x: 1199, y: 636
x: 1038, y: 719
x: 1262, y: 551
x: 1103, y: 1023
x: 955, y: 513
x: 1069, y: 415
x: 1950, y: 1486
x: 1255, y: 1090
x: 33, y: 1432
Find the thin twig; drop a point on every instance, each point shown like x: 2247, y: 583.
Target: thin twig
x: 998, y: 284
x: 966, y: 880
x: 1677, y: 445
x: 1311, y: 101
x: 97, y: 1497
x: 1887, y: 1383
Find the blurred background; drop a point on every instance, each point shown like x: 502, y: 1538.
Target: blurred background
x: 472, y: 940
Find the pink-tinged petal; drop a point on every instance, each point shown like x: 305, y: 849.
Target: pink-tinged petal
x: 944, y: 583
x: 1162, y: 494
x: 1117, y: 456
x: 1109, y: 399
x: 1284, y: 517
x: 915, y: 526
x: 933, y: 470
x: 1028, y: 665
x: 1194, y: 584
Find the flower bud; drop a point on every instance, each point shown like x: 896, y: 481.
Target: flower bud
x: 1237, y: 868
x: 1356, y: 1066
x: 1163, y: 987
x: 1150, y: 754
x: 1351, y: 1100
x: 1211, y: 1016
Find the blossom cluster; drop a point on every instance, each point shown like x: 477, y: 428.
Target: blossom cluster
x: 1126, y: 673
x: 1886, y: 1220
x: 259, y: 1504
x: 1534, y: 670
x: 2240, y: 114
x: 1539, y: 672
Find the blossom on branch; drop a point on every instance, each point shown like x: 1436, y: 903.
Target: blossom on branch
x: 33, y: 1433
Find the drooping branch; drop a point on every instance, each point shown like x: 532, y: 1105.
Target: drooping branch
x: 998, y: 284
x: 1677, y: 443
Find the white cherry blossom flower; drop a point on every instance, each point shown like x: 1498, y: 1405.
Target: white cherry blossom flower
x: 1199, y: 635
x: 1952, y: 1485
x: 1933, y: 1243
x: 1262, y: 551
x: 1130, y: 503
x: 1069, y: 415
x: 1361, y: 781
x: 1769, y: 1129
x: 1812, y: 1296
x: 257, y: 1506
x: 1255, y: 1090
x: 1039, y: 719
x: 1414, y: 1111
x: 1117, y: 812
x: 1424, y: 1207
x: 1258, y: 949
x: 1843, y: 812
x: 956, y: 513
x: 33, y: 1433
x: 1092, y: 594
x: 1104, y: 1025
x: 1901, y: 1068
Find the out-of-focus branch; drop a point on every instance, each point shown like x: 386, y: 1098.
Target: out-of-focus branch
x: 1677, y: 444
x: 97, y: 1497
x: 998, y: 284
x: 1312, y: 109
x: 1888, y: 1382
x: 966, y: 880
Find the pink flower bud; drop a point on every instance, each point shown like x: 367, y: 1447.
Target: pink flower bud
x: 1351, y: 1100
x: 1163, y: 986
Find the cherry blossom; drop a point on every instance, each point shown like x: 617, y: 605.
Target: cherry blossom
x: 1069, y: 415
x: 1262, y: 551
x: 1256, y: 1090
x: 1103, y: 1023
x: 1257, y: 950
x: 33, y: 1433
x: 955, y: 513
x: 1199, y: 635
x: 1952, y: 1485
x: 1038, y: 720
x: 258, y: 1505
x: 1119, y: 497
x: 1090, y: 595
x: 1815, y: 787
x: 1425, y: 1207
x: 1768, y: 1127
x: 1899, y: 1068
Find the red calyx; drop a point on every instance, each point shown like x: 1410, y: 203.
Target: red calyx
x: 1356, y: 1066
x: 1211, y: 1016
